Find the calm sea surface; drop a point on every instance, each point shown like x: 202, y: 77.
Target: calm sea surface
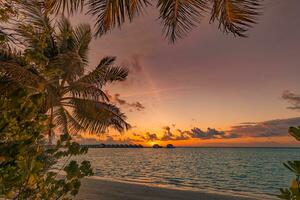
x: 249, y: 171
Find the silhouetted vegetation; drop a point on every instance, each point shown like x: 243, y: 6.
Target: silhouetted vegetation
x: 54, y: 61
x: 27, y: 166
x: 112, y: 145
x: 178, y: 17
x: 156, y: 146
x: 170, y: 146
x: 293, y: 192
x: 44, y: 87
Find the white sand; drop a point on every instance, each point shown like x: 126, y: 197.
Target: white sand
x: 94, y: 189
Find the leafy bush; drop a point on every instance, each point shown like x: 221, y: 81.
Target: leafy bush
x: 293, y: 192
x: 26, y: 162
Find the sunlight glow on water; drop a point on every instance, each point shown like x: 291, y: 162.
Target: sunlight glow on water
x: 257, y: 171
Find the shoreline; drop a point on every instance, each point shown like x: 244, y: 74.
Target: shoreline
x: 107, y: 189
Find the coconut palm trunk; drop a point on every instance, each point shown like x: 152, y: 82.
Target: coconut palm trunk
x: 50, y: 131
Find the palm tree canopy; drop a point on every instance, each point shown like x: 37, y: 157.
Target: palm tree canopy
x: 178, y: 17
x: 55, y: 61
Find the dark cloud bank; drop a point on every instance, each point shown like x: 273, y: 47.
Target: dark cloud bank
x: 132, y: 106
x: 270, y: 128
x: 293, y: 99
x: 136, y: 69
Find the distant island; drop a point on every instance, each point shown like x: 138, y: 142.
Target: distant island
x: 155, y: 146
x: 169, y: 146
x: 113, y: 145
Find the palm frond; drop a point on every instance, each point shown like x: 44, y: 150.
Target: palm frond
x: 74, y: 126
x: 295, y: 132
x: 69, y: 6
x: 86, y: 91
x: 37, y: 32
x: 35, y: 15
x: 105, y: 72
x: 21, y: 75
x: 60, y: 119
x: 70, y: 64
x: 98, y: 116
x: 73, y: 44
x: 112, y: 13
x: 235, y: 16
x: 65, y: 38
x: 65, y: 121
x: 115, y: 74
x: 180, y: 16
x: 10, y: 62
x: 83, y: 37
x: 11, y: 55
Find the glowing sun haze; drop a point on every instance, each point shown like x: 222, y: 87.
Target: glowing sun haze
x: 233, y: 86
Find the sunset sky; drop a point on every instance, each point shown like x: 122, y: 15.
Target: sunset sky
x: 236, y: 87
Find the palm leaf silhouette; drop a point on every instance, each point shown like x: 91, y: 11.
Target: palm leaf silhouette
x: 55, y: 62
x: 178, y: 17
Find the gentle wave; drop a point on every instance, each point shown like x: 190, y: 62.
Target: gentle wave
x: 253, y: 172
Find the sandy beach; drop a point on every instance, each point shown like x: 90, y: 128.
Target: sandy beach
x: 94, y: 189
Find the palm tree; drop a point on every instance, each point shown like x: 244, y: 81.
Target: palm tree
x: 178, y: 17
x: 55, y: 62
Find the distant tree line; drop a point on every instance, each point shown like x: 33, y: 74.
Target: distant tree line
x: 112, y: 145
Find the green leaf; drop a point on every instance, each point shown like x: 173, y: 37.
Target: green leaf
x: 295, y: 132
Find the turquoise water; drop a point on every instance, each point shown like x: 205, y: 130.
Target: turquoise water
x: 248, y: 171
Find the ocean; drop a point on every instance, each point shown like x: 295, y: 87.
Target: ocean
x: 237, y: 171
